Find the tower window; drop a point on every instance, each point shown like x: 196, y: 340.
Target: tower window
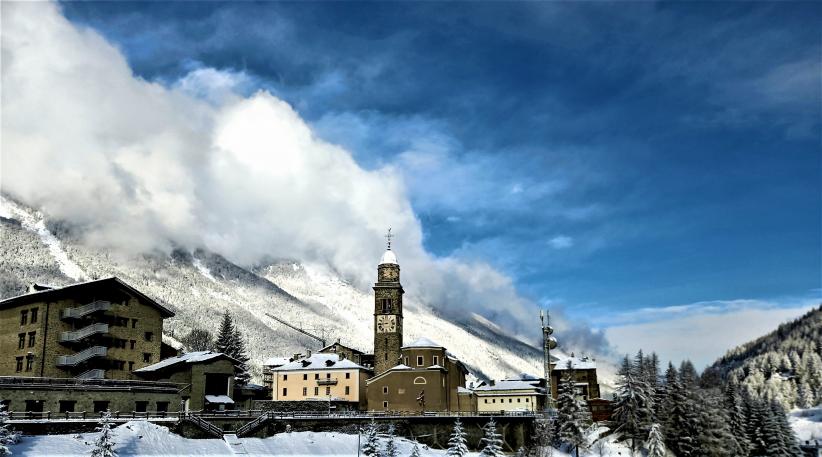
x: 419, y: 360
x: 386, y: 305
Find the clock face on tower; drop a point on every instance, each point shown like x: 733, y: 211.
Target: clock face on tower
x: 386, y: 324
x: 388, y: 274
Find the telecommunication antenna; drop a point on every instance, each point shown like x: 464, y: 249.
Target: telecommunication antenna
x: 548, y: 343
x: 321, y: 339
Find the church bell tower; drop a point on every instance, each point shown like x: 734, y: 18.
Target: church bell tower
x: 387, y: 312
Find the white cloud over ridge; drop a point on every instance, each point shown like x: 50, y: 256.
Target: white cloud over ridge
x: 145, y: 167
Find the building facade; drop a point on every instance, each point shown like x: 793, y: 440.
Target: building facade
x: 584, y: 371
x: 90, y: 330
x: 509, y: 395
x: 205, y: 379
x: 321, y: 377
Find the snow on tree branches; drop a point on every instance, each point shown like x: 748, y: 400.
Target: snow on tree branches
x: 104, y: 446
x: 458, y: 444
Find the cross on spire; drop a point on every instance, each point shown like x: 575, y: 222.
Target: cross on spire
x: 388, y: 237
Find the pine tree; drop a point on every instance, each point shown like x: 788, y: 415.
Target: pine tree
x: 681, y: 427
x: 787, y: 435
x: 755, y: 416
x: 7, y: 436
x: 415, y: 451
x: 631, y: 413
x: 243, y: 375
x: 714, y: 437
x: 735, y: 408
x: 492, y: 441
x: 655, y: 443
x: 230, y: 342
x: 458, y: 443
x: 569, y: 414
x: 104, y: 446
x: 225, y: 338
x: 371, y: 443
x: 804, y: 395
x: 390, y: 445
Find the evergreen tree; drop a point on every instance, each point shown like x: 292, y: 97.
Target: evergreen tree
x: 225, y: 337
x: 7, y: 436
x: 682, y: 421
x: 371, y: 443
x: 631, y: 413
x: 230, y: 342
x: 104, y: 446
x: 787, y: 435
x: 198, y: 339
x: 735, y: 407
x: 714, y: 437
x: 415, y: 451
x: 569, y: 414
x: 243, y: 374
x: 655, y: 443
x: 492, y: 441
x: 458, y: 443
x: 804, y: 395
x: 390, y: 445
x: 755, y: 416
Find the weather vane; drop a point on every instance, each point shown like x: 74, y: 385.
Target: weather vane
x: 388, y: 237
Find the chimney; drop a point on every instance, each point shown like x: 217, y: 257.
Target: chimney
x: 308, y: 354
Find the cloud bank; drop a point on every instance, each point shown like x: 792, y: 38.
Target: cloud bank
x: 142, y: 167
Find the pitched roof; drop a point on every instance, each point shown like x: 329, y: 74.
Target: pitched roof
x: 508, y: 385
x: 320, y: 362
x: 337, y: 343
x: 423, y: 343
x: 44, y: 293
x: 276, y: 361
x: 187, y: 358
x: 577, y: 363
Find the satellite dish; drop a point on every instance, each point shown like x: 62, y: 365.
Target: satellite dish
x: 551, y: 342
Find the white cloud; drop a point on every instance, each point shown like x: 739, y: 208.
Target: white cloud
x: 561, y: 242
x: 701, y: 332
x: 143, y: 167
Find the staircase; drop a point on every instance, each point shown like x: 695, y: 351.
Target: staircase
x: 250, y: 427
x: 85, y: 332
x: 205, y: 425
x: 74, y: 359
x: 80, y: 311
x: 92, y: 374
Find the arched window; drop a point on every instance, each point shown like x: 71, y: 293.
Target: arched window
x: 419, y: 380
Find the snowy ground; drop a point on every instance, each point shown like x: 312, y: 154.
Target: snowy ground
x: 141, y: 438
x: 807, y: 423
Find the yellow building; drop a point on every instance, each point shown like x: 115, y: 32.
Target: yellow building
x: 321, y: 377
x: 509, y: 395
x: 90, y: 330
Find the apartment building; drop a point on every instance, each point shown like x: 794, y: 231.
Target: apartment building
x: 510, y: 395
x: 101, y: 329
x: 326, y: 377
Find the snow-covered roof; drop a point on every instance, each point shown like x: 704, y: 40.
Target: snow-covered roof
x: 507, y: 385
x: 400, y: 367
x: 464, y: 390
x: 436, y: 367
x: 320, y: 362
x: 190, y: 357
x: 276, y: 361
x: 577, y: 363
x: 216, y: 399
x: 389, y: 258
x: 423, y: 343
x: 337, y: 343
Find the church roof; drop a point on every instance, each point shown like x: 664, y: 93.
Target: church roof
x: 423, y: 343
x: 389, y: 258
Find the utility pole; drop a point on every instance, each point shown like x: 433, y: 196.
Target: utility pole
x: 548, y: 343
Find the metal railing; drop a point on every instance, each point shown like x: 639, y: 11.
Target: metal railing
x: 87, y: 415
x: 26, y: 382
x: 80, y: 311
x: 84, y: 332
x: 74, y: 359
x: 204, y: 425
x: 96, y: 373
x: 327, y: 382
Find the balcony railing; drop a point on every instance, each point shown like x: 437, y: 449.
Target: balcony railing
x: 85, y: 332
x: 327, y: 382
x: 80, y: 311
x: 92, y: 374
x: 74, y: 359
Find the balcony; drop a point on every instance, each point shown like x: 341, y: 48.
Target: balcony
x: 80, y: 311
x: 82, y: 356
x: 92, y: 374
x: 85, y: 332
x: 327, y: 382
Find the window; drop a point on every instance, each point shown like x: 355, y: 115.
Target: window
x: 406, y: 361
x: 510, y: 400
x: 34, y: 315
x: 436, y: 360
x: 100, y: 406
x: 162, y: 406
x: 519, y: 400
x: 134, y: 323
x: 32, y: 338
x: 348, y: 376
x: 316, y: 391
x: 486, y: 400
x: 386, y: 356
x: 419, y: 360
x: 347, y: 390
x: 24, y: 317
x: 328, y: 376
x: 385, y: 390
x: 147, y: 357
x: 140, y: 406
x: 67, y: 406
x: 328, y: 391
x: 285, y: 377
x: 386, y: 305
x: 20, y: 363
x: 316, y: 376
x: 285, y: 392
x: 385, y: 404
x: 35, y: 406
x: 29, y: 362
x: 305, y: 391
x: 493, y: 400
x: 21, y: 340
x: 419, y: 380
x: 130, y: 366
x: 305, y: 377
x: 149, y: 336
x: 132, y: 343
x: 526, y: 400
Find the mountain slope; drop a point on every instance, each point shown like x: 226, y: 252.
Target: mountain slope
x: 199, y: 286
x: 785, y: 364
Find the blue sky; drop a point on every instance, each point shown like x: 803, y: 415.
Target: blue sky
x: 610, y: 157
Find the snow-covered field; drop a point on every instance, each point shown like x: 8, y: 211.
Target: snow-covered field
x: 141, y: 438
x: 807, y: 423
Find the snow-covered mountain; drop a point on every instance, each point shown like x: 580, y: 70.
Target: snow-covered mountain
x: 199, y: 286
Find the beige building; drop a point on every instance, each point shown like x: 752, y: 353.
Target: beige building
x: 91, y: 330
x: 321, y: 377
x: 510, y: 395
x: 206, y: 379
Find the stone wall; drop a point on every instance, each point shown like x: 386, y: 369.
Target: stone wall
x: 303, y: 406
